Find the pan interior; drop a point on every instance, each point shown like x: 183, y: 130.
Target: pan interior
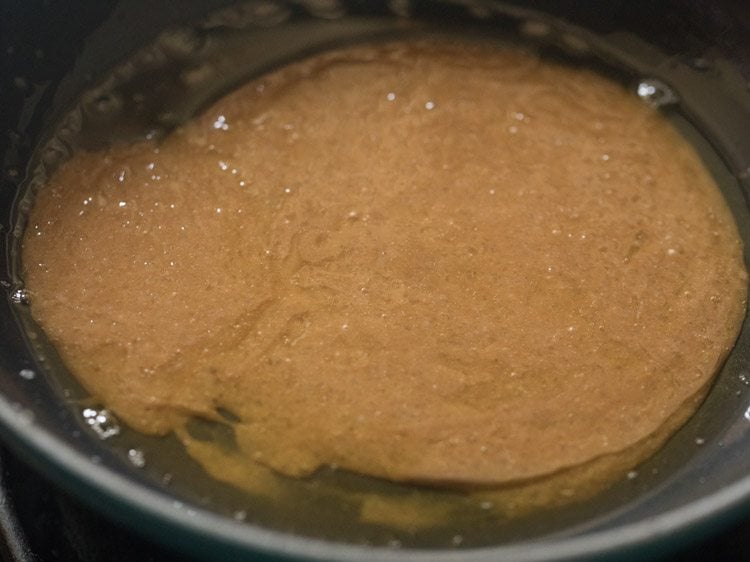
x: 174, y: 67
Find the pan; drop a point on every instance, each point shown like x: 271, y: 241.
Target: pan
x: 69, y: 77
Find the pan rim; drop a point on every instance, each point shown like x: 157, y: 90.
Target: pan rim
x: 153, y: 513
x: 156, y: 515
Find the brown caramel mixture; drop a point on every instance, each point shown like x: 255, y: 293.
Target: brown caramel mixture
x: 427, y: 262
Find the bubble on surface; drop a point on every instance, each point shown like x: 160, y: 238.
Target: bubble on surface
x: 744, y: 378
x: 102, y: 422
x: 20, y: 296
x: 656, y: 93
x: 137, y: 458
x: 221, y: 123
x: 27, y: 374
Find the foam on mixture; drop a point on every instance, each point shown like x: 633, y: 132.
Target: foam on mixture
x: 438, y: 263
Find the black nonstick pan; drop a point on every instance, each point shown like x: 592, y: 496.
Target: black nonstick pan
x: 692, y: 59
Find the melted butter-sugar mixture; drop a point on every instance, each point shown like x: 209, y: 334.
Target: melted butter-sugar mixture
x: 427, y: 262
